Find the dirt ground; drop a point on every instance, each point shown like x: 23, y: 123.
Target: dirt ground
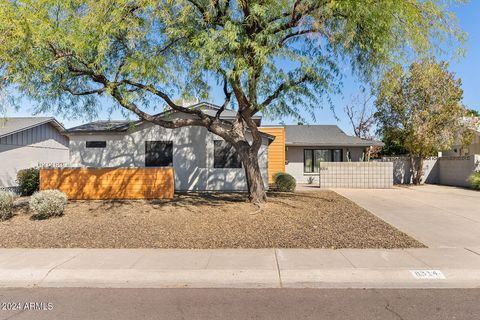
x: 320, y: 219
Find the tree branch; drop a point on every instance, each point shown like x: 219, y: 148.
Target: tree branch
x: 155, y: 119
x: 298, y: 33
x: 282, y: 87
x: 82, y: 93
x: 228, y: 95
x: 169, y: 101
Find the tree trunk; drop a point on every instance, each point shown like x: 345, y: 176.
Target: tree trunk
x: 256, y: 188
x: 417, y: 167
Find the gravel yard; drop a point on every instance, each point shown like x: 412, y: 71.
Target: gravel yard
x: 321, y: 219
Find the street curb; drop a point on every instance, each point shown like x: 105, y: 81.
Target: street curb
x: 324, y: 278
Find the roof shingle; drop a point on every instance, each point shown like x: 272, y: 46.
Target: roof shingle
x: 323, y: 135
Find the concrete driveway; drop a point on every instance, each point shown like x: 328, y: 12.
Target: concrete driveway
x: 438, y: 216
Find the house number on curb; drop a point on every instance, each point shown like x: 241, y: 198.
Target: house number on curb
x: 427, y: 274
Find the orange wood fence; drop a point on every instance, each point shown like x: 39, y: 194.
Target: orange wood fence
x: 276, y: 151
x: 110, y: 183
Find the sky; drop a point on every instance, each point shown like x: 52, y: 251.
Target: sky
x: 466, y: 68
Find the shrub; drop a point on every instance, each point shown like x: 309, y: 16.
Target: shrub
x: 474, y: 180
x: 47, y: 204
x: 284, y: 182
x: 6, y: 204
x: 28, y: 181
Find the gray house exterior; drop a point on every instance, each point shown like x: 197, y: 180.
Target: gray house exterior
x: 309, y: 145
x: 27, y: 142
x: 201, y: 160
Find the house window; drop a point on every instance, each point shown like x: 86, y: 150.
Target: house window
x: 158, y: 153
x: 312, y: 158
x: 96, y: 144
x: 225, y: 155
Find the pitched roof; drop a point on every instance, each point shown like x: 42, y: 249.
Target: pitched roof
x: 124, y: 125
x: 13, y: 125
x: 323, y: 135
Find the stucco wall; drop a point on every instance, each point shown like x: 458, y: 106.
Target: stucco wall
x: 402, y: 170
x: 294, y: 157
x: 192, y: 156
x: 452, y: 171
x: 27, y: 149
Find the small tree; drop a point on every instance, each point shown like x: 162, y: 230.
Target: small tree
x: 279, y: 57
x: 362, y: 120
x: 420, y: 108
x: 361, y: 116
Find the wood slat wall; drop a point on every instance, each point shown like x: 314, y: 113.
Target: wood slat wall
x: 110, y: 183
x: 276, y: 151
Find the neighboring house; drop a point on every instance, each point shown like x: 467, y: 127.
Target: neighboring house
x: 202, y: 160
x: 28, y: 142
x: 468, y: 150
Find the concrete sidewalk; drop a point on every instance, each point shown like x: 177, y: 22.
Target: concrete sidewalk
x: 240, y: 268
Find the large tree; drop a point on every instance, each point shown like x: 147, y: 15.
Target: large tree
x: 421, y: 109
x: 279, y: 57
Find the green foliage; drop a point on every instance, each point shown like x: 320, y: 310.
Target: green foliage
x: 419, y: 109
x: 284, y: 182
x: 28, y: 181
x: 393, y: 144
x: 473, y: 113
x: 48, y: 203
x: 474, y: 180
x: 67, y: 55
x: 6, y: 204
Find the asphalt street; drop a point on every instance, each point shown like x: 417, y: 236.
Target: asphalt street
x: 331, y: 304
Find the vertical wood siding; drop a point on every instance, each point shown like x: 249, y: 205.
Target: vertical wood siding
x: 110, y: 183
x: 276, y: 151
x: 35, y: 135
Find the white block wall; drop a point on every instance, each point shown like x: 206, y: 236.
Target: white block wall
x: 361, y: 175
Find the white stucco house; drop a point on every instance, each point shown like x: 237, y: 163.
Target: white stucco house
x: 27, y: 142
x: 201, y: 160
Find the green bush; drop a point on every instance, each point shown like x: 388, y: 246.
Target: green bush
x: 28, y: 180
x: 47, y: 204
x: 474, y: 180
x: 284, y: 182
x: 6, y: 204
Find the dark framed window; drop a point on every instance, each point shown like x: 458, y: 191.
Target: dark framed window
x: 158, y: 153
x: 225, y: 156
x: 312, y: 158
x: 96, y: 144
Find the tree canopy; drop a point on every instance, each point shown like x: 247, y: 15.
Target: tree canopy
x: 282, y: 55
x: 420, y: 108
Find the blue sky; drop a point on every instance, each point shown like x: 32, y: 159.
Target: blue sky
x: 466, y: 68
